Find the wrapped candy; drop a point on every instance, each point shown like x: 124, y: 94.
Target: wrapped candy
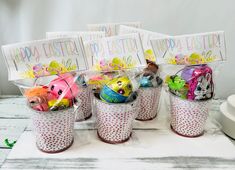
x: 194, y: 83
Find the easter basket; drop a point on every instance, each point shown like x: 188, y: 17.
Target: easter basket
x: 115, y: 120
x: 188, y: 118
x: 149, y: 102
x: 191, y: 90
x: 53, y: 100
x: 85, y: 111
x: 53, y: 129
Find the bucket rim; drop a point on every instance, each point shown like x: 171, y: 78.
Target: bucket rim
x: 117, y: 104
x: 49, y: 112
x: 192, y: 101
x: 158, y: 87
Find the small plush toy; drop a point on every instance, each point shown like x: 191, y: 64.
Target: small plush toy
x: 37, y: 98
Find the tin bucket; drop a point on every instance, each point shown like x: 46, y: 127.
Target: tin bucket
x: 149, y: 101
x: 53, y: 129
x: 115, y: 120
x: 85, y: 110
x: 188, y: 118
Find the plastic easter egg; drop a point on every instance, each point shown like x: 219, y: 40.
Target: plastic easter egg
x: 111, y: 96
x: 116, y: 90
x: 121, y: 85
x: 64, y: 87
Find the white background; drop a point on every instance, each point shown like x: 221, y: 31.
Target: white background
x: 23, y: 20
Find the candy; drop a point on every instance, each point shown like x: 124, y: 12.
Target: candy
x: 146, y: 81
x: 196, y: 58
x: 117, y: 90
x: 199, y: 80
x: 64, y: 87
x: 58, y: 104
x: 149, y: 55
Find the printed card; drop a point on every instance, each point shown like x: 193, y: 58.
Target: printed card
x: 85, y: 36
x: 190, y: 49
x: 111, y: 29
x: 145, y: 37
x: 115, y: 53
x: 43, y: 58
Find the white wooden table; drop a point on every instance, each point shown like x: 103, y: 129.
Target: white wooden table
x: 152, y: 145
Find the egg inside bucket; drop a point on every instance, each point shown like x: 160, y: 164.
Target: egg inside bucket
x: 116, y: 90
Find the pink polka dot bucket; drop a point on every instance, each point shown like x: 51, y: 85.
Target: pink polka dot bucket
x: 115, y: 120
x: 85, y: 110
x: 54, y: 129
x: 188, y: 117
x: 149, y: 101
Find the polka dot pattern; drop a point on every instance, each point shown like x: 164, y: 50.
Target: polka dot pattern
x: 149, y: 101
x: 84, y: 112
x: 54, y: 130
x: 188, y: 117
x: 114, y: 121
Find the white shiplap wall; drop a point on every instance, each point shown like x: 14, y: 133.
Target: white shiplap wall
x: 22, y: 20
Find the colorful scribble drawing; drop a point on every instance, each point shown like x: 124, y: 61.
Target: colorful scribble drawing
x: 116, y: 63
x: 54, y: 67
x: 192, y: 59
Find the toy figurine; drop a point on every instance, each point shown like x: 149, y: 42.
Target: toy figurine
x: 37, y: 98
x: 150, y: 77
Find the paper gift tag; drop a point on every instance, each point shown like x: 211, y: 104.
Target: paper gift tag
x: 44, y: 57
x: 85, y: 36
x: 145, y: 37
x: 115, y: 53
x: 190, y: 49
x: 111, y: 29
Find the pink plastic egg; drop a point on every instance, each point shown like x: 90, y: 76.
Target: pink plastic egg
x: 64, y: 87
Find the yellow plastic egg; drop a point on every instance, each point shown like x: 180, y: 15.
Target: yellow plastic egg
x: 121, y: 85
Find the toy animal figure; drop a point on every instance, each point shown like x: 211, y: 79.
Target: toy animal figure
x: 150, y: 77
x: 64, y: 87
x: 37, y: 98
x: 177, y: 86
